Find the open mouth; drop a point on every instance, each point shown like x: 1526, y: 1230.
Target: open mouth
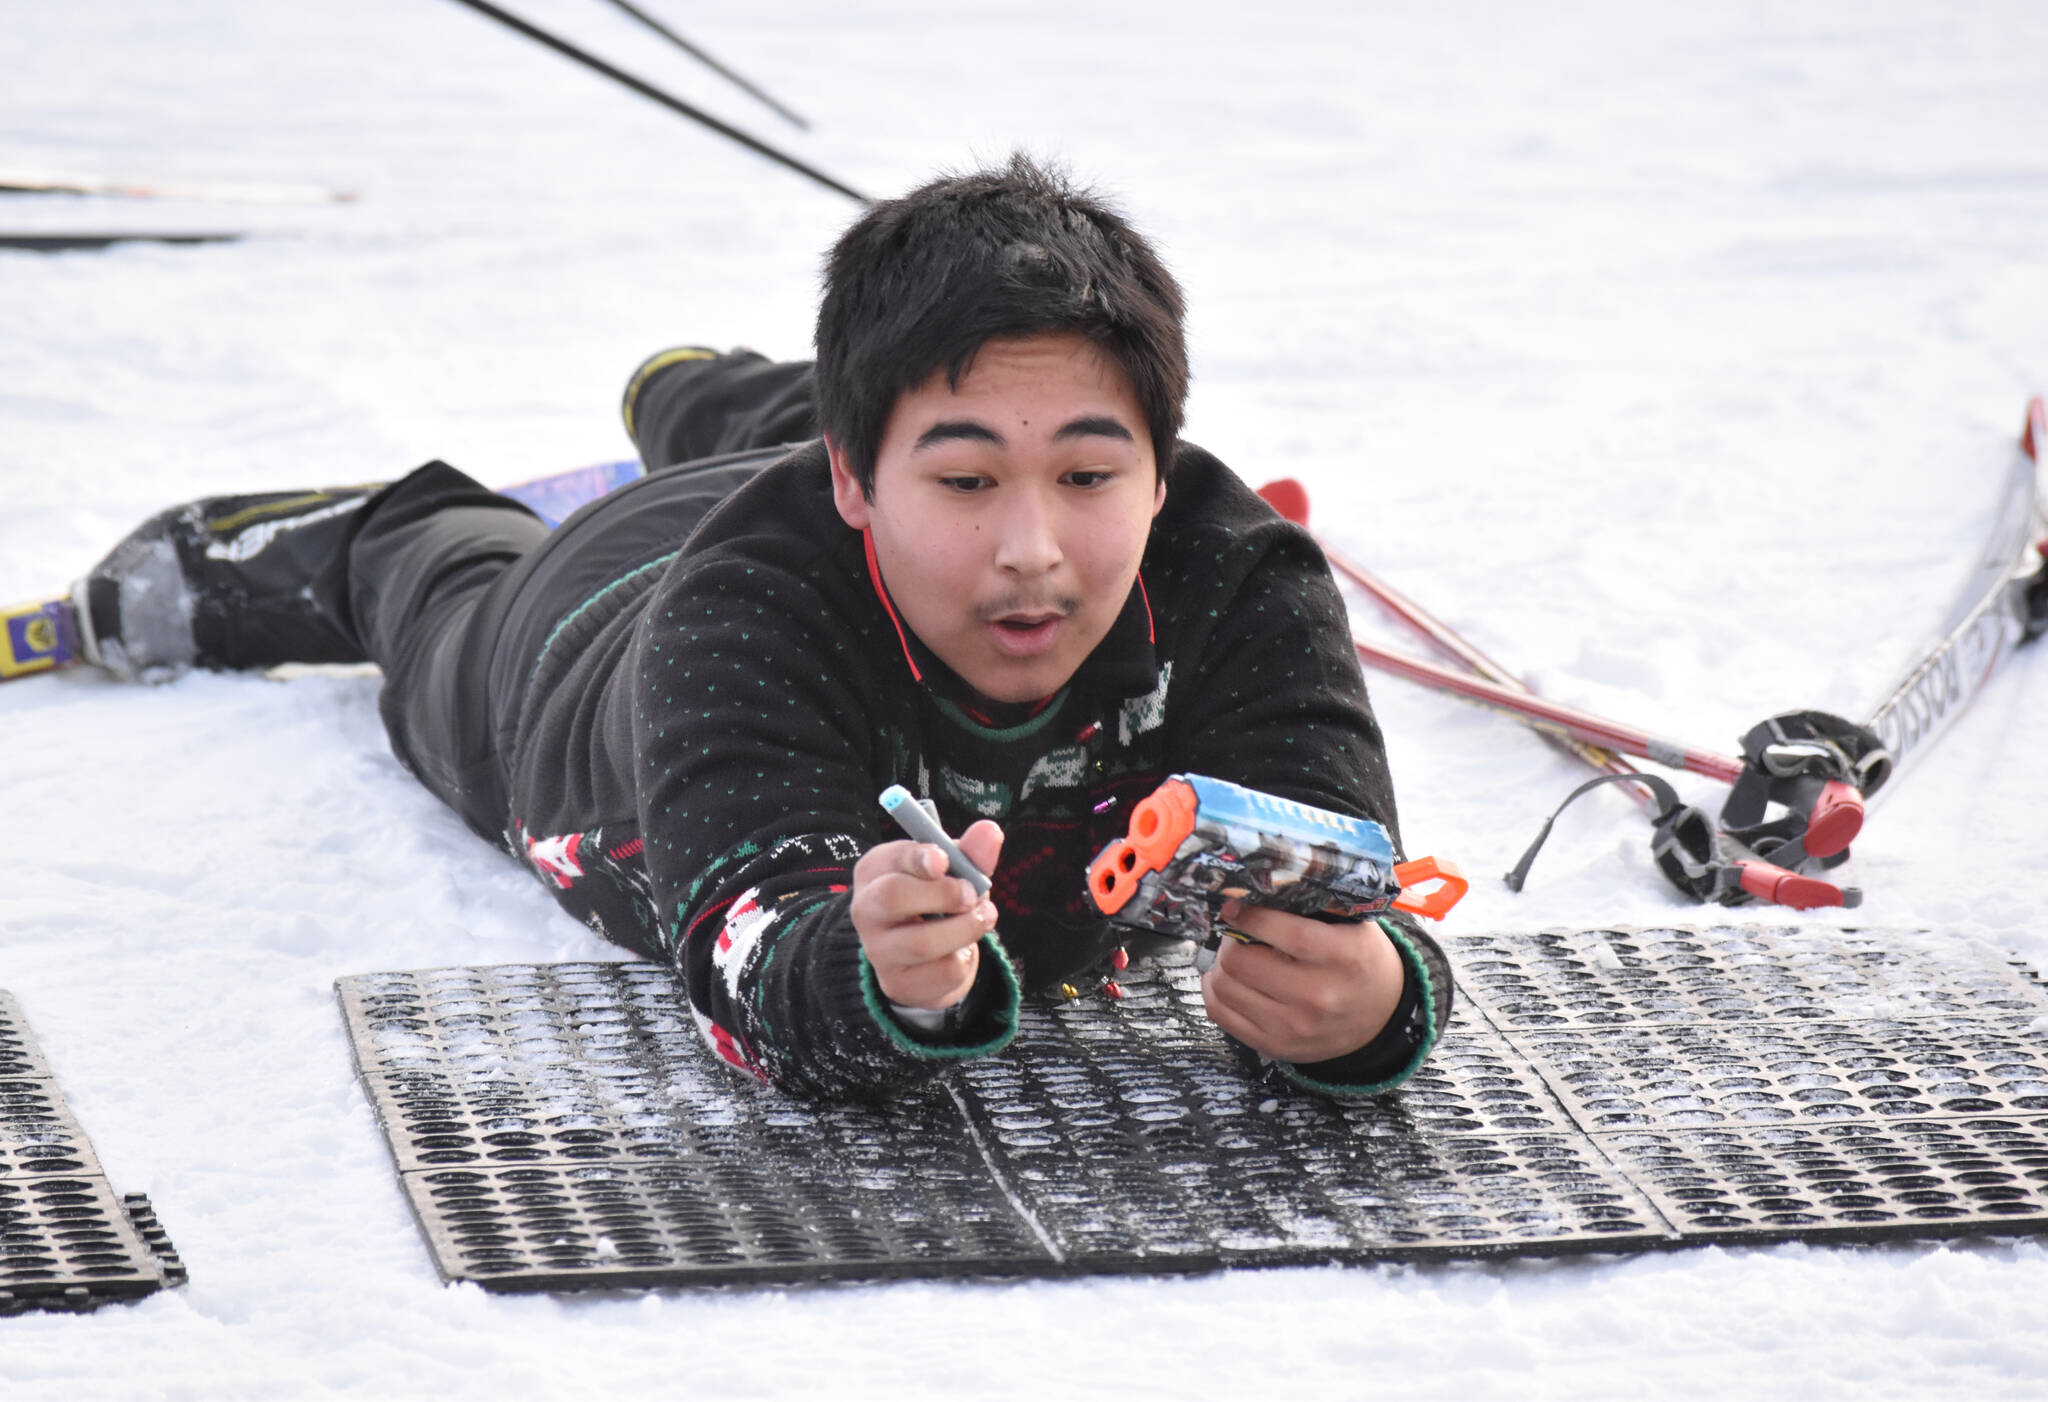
x: 1025, y: 634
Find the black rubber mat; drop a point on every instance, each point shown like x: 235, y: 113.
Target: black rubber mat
x: 558, y: 1126
x: 66, y: 1240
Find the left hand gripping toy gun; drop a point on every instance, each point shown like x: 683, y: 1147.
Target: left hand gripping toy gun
x: 1196, y: 842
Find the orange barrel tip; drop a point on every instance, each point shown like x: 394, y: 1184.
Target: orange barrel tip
x: 1159, y: 824
x: 1449, y: 886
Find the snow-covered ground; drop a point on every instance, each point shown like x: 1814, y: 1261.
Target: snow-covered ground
x: 1672, y: 352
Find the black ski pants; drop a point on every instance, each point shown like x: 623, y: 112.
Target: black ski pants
x: 453, y: 589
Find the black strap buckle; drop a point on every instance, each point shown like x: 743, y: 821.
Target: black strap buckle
x: 1815, y: 770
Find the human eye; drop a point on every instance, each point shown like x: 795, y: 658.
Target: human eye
x: 1086, y: 477
x: 966, y: 483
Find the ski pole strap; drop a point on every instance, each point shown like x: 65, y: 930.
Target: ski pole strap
x: 1818, y: 768
x: 1671, y: 817
x: 1687, y: 852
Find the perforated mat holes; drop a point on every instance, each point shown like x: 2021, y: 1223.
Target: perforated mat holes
x: 1111, y: 1121
x: 1699, y: 1075
x: 1490, y: 1186
x: 25, y: 1100
x: 14, y: 1064
x: 597, y: 1219
x: 1729, y: 974
x: 396, y: 1012
x: 61, y: 1228
x: 1283, y: 1170
x: 30, y: 1159
x: 1523, y: 990
x: 38, y: 1136
x: 19, y: 1056
x: 1179, y: 1092
x: 538, y: 1025
x: 1470, y: 1081
x: 1867, y: 1176
x: 513, y: 1123
x: 509, y: 1220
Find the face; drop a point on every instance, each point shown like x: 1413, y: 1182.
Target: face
x: 1010, y: 512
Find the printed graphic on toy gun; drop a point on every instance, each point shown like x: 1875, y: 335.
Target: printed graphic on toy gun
x: 1196, y: 842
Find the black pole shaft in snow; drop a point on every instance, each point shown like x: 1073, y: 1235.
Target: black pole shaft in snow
x: 647, y: 90
x: 713, y: 64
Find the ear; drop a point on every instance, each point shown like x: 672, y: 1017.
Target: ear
x: 846, y: 493
x: 1159, y: 495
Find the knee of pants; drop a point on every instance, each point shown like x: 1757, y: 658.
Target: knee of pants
x: 401, y: 577
x: 436, y: 711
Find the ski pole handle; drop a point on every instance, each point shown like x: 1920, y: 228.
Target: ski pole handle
x: 1773, y: 885
x: 1835, y: 821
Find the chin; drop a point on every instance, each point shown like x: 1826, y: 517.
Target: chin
x: 1015, y: 685
x: 1019, y: 692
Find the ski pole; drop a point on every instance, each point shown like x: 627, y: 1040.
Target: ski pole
x: 1818, y: 767
x: 713, y: 64
x: 1288, y: 497
x: 1553, y: 717
x: 649, y: 91
x: 1827, y: 811
x: 1592, y: 738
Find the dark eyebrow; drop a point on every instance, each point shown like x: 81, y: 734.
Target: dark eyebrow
x: 946, y: 430
x: 1097, y: 426
x: 969, y: 430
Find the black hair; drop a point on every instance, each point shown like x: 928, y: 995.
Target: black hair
x: 924, y: 281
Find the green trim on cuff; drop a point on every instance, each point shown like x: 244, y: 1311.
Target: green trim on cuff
x: 1418, y: 966
x: 1010, y: 994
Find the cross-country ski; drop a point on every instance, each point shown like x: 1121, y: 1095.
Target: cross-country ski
x: 92, y: 241
x: 2003, y: 603
x: 15, y: 180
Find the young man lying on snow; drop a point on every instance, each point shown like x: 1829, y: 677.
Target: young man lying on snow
x: 998, y: 579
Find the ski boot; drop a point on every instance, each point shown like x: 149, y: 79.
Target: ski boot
x: 223, y: 583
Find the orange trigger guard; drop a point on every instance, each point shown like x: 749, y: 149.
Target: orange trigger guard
x: 1434, y: 904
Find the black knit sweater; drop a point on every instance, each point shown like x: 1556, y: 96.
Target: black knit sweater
x: 700, y: 746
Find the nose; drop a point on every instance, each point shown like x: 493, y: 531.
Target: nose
x: 1029, y: 543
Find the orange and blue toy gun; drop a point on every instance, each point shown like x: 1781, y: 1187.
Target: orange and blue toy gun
x: 1196, y: 842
